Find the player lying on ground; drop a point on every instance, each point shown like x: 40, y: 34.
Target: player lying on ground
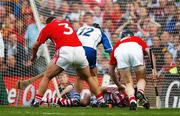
x: 111, y: 95
x: 69, y: 95
x: 71, y: 98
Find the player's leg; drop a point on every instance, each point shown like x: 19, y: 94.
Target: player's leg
x: 126, y: 76
x: 83, y: 70
x: 62, y: 101
x: 51, y: 71
x: 140, y: 75
x: 91, y: 56
x: 79, y: 81
x: 140, y: 72
x: 124, y: 60
x: 95, y: 89
x: 78, y: 84
x: 69, y: 102
x: 93, y: 72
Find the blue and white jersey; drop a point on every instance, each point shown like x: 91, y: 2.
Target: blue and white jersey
x: 90, y: 38
x: 71, y: 94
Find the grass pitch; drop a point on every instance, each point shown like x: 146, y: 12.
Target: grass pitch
x: 84, y: 111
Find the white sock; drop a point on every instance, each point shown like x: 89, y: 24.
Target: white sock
x: 130, y: 92
x: 141, y: 85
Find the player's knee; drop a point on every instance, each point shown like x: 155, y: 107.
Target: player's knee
x: 140, y: 72
x: 140, y: 68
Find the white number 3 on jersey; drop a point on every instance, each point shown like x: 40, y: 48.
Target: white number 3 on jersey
x: 67, y: 27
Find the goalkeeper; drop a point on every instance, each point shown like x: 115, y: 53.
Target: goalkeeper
x: 69, y: 96
x: 111, y: 95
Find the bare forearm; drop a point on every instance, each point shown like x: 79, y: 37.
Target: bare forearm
x: 67, y: 89
x: 113, y: 75
x: 34, y: 50
x: 114, y: 78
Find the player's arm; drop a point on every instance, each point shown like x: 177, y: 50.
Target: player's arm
x: 115, y: 78
x: 34, y: 51
x: 113, y: 75
x: 67, y: 89
x: 106, y: 43
x: 43, y: 36
x: 112, y: 66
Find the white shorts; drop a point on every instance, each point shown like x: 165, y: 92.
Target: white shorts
x: 68, y: 56
x: 128, y: 55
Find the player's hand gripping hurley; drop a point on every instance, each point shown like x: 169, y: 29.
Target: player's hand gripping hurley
x: 154, y: 78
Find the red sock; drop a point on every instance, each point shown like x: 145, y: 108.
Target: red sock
x: 38, y: 98
x: 132, y: 99
x: 100, y: 98
x: 125, y: 94
x: 65, y: 102
x: 140, y: 90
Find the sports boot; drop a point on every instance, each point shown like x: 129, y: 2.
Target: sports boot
x: 143, y: 99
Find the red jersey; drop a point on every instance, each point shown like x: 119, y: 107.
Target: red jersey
x: 135, y: 39
x: 61, y: 33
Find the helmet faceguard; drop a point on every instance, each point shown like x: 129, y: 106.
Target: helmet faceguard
x: 126, y: 33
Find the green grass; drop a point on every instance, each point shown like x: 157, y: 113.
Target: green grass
x: 81, y: 111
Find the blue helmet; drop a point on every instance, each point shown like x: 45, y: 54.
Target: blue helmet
x: 126, y: 33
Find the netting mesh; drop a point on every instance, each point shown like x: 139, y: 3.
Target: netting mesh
x: 156, y: 21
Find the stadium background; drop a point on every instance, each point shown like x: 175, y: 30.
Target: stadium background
x: 157, y: 21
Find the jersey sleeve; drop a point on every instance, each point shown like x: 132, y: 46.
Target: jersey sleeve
x: 142, y: 43
x: 43, y: 35
x: 112, y: 58
x: 106, y: 42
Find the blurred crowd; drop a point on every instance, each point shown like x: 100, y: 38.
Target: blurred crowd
x: 156, y: 21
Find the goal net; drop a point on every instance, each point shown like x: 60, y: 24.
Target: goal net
x: 156, y: 21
